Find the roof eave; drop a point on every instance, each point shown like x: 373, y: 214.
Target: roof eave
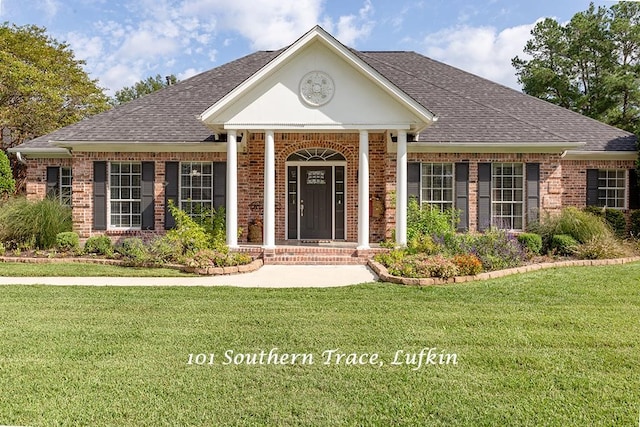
x: 492, y: 147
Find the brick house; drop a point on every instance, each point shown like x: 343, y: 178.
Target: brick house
x: 322, y: 142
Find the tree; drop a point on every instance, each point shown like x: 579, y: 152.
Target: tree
x: 43, y: 86
x: 7, y: 183
x: 590, y: 65
x: 143, y: 87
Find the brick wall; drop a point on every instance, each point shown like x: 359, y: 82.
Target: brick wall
x: 36, y: 185
x: 574, y: 178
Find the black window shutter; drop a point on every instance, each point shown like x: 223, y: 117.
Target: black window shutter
x: 462, y: 195
x: 53, y: 181
x: 100, y: 195
x: 533, y: 192
x: 172, y: 177
x: 220, y: 185
x: 484, y: 196
x: 634, y: 190
x: 413, y: 181
x: 148, y: 211
x: 592, y: 187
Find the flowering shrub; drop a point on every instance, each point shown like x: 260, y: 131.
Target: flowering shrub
x: 468, y: 265
x: 420, y: 265
x: 496, y: 249
x: 213, y: 258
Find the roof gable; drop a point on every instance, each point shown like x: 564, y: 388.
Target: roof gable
x: 360, y: 97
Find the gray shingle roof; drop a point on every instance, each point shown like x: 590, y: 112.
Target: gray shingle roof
x: 470, y: 109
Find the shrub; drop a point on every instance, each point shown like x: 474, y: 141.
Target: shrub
x: 496, y: 249
x: 580, y: 225
x: 468, y: 265
x: 532, y: 242
x: 422, y: 265
x: 634, y: 220
x: 100, y: 245
x: 7, y: 183
x: 133, y: 251
x: 563, y: 244
x: 165, y: 249
x: 613, y: 217
x: 213, y: 258
x: 3, y: 250
x: 422, y: 243
x: 430, y: 220
x: 191, y: 236
x: 68, y: 241
x: 389, y: 258
x: 27, y: 223
x: 600, y: 247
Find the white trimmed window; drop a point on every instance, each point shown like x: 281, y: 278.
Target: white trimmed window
x: 507, y: 201
x: 436, y: 185
x: 196, y: 187
x: 59, y: 184
x: 125, y: 192
x: 612, y: 188
x: 66, y: 189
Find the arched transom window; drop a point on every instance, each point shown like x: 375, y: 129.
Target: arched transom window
x: 316, y: 154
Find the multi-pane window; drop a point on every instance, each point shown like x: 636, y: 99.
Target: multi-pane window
x: 612, y: 188
x: 437, y: 185
x: 125, y: 183
x: 66, y: 191
x: 507, y: 186
x: 196, y: 187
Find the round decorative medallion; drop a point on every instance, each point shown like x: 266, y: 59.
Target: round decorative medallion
x: 316, y: 88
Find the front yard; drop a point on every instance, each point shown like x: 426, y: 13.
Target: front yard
x: 554, y: 347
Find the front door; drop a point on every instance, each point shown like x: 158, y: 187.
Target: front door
x: 316, y: 204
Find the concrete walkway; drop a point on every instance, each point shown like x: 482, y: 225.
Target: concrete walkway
x: 268, y: 276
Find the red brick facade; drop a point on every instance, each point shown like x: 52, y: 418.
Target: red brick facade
x: 562, y: 182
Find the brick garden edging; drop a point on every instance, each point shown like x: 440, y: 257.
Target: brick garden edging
x: 252, y: 266
x: 384, y: 275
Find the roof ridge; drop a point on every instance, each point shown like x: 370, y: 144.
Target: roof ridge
x: 473, y: 100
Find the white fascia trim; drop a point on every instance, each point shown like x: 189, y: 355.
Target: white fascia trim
x: 599, y: 155
x: 41, y: 153
x: 483, y: 147
x: 310, y: 127
x: 320, y: 34
x: 148, y: 147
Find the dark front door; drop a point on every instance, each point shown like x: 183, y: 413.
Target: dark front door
x: 316, y: 189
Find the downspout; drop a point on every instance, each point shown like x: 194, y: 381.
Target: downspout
x: 20, y: 158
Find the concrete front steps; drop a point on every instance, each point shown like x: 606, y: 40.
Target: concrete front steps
x: 312, y: 255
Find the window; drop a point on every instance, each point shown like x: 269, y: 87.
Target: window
x: 196, y: 187
x: 437, y: 185
x: 612, y: 188
x: 59, y: 184
x: 507, y: 201
x: 125, y: 184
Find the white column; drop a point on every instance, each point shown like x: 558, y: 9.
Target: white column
x: 401, y: 190
x: 232, y: 190
x: 269, y: 238
x: 363, y: 191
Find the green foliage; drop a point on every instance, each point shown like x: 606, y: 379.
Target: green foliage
x: 68, y: 241
x: 496, y: 249
x: 133, y: 251
x: 25, y: 223
x: 422, y: 243
x: 613, y: 217
x: 589, y: 65
x: 3, y: 250
x: 564, y: 244
x: 166, y: 249
x: 600, y: 247
x: 141, y: 88
x: 423, y: 265
x: 212, y: 258
x: 532, y: 242
x: 580, y: 225
x: 44, y: 87
x: 99, y: 245
x: 468, y: 265
x: 634, y: 220
x: 430, y: 220
x: 7, y: 183
x: 191, y: 236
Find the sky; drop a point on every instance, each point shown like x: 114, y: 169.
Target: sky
x: 125, y: 41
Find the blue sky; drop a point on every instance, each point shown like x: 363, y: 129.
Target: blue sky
x: 124, y: 41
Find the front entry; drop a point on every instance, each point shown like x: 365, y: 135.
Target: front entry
x: 316, y: 199
x: 316, y: 195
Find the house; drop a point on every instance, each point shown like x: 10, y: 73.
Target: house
x: 318, y: 141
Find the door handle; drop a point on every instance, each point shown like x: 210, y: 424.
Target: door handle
x: 301, y: 207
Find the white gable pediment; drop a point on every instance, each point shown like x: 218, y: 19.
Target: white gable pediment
x: 277, y: 97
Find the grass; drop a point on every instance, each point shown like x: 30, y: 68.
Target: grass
x: 555, y: 347
x: 71, y: 269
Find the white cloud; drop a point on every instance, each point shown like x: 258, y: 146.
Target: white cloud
x: 85, y: 48
x: 480, y: 50
x: 351, y: 28
x: 50, y: 8
x: 189, y: 72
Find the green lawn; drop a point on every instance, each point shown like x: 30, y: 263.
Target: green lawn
x: 76, y: 269
x: 555, y: 347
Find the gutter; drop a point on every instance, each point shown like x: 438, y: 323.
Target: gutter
x: 36, y: 153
